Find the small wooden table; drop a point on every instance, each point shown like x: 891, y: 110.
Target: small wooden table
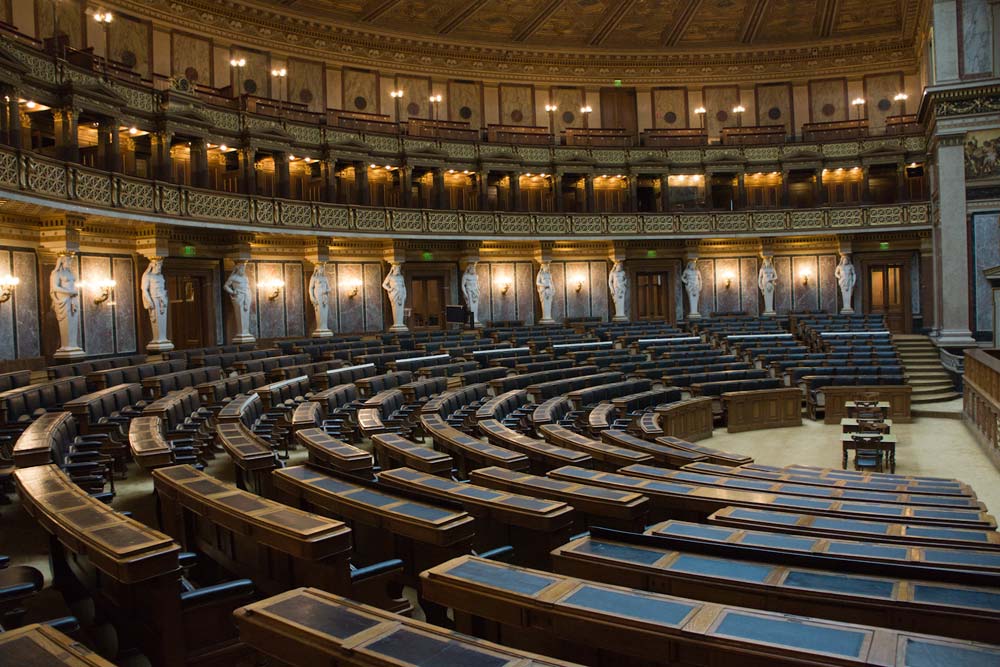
x: 852, y: 408
x: 886, y: 445
x: 850, y: 425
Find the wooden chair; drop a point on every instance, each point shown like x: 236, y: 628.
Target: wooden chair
x: 868, y: 458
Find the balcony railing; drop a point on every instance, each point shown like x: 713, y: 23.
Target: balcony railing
x: 44, y: 180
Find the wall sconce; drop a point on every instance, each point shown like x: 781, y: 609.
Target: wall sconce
x: 728, y: 278
x: 105, y: 289
x: 505, y: 287
x: 273, y: 288
x: 578, y: 280
x: 352, y: 287
x: 804, y: 275
x: 7, y: 285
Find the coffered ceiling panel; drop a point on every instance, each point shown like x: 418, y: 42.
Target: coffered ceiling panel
x: 866, y: 16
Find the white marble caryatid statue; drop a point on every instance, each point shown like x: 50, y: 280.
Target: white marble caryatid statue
x: 319, y: 296
x: 847, y: 278
x: 618, y: 285
x: 238, y: 288
x: 470, y: 290
x: 543, y: 284
x: 691, y: 279
x: 156, y: 301
x: 767, y: 280
x: 66, y: 305
x: 395, y: 288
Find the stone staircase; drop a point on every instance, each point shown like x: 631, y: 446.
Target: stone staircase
x: 930, y: 382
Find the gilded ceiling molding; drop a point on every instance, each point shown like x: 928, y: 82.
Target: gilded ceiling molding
x: 362, y: 45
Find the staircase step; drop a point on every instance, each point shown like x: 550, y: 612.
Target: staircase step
x: 939, y: 397
x: 922, y: 383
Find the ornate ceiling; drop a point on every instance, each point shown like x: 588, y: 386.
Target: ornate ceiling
x: 564, y: 40
x: 621, y: 24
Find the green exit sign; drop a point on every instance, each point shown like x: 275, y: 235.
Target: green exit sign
x: 884, y: 245
x: 618, y: 83
x: 650, y: 253
x: 428, y: 256
x: 189, y: 251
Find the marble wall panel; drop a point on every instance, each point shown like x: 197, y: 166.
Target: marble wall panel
x: 257, y: 79
x: 374, y: 294
x: 220, y: 305
x: 774, y: 105
x: 859, y: 285
x: 828, y: 100
x: 599, y: 296
x: 333, y: 312
x: 351, y: 311
x: 986, y: 236
x: 485, y: 311
x: 719, y: 102
x: 559, y: 284
x: 915, y: 279
x: 295, y: 300
x: 504, y: 305
x: 706, y: 300
x: 416, y: 94
x: 270, y: 312
x: 465, y: 102
x: 26, y: 316
x: 727, y: 298
x: 783, y: 291
x: 977, y: 38
x: 670, y: 107
x: 8, y: 335
x: 69, y: 16
x: 569, y: 100
x: 526, y: 294
x: 577, y: 302
x: 829, y: 291
x: 805, y: 296
x: 517, y: 105
x: 749, y: 294
x: 307, y: 83
x: 361, y: 91
x: 126, y: 309
x: 98, y: 321
x: 129, y: 43
x: 191, y: 57
x: 880, y: 89
x: 254, y: 301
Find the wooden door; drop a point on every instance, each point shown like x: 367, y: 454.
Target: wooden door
x: 618, y: 109
x: 652, y: 295
x: 186, y: 319
x: 887, y: 292
x: 427, y: 302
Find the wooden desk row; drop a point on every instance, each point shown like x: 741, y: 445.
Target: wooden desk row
x: 603, y: 625
x: 963, y: 612
x: 275, y: 545
x: 130, y: 571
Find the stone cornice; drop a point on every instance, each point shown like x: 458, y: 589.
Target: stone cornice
x: 302, y: 36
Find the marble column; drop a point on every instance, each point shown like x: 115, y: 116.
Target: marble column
x: 557, y: 192
x: 952, y: 241
x: 329, y: 170
x: 440, y: 199
x: 159, y: 144
x: 11, y: 118
x: 361, y: 184
x: 282, y: 177
x: 785, y: 198
x: 820, y: 189
x: 633, y: 193
x: 664, y: 192
x: 109, y: 144
x: 406, y: 186
x: 199, y: 163
x: 482, y: 180
x: 65, y: 124
x: 515, y: 191
x: 248, y: 170
x: 588, y: 193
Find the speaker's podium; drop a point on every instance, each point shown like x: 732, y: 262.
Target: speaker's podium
x: 457, y: 315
